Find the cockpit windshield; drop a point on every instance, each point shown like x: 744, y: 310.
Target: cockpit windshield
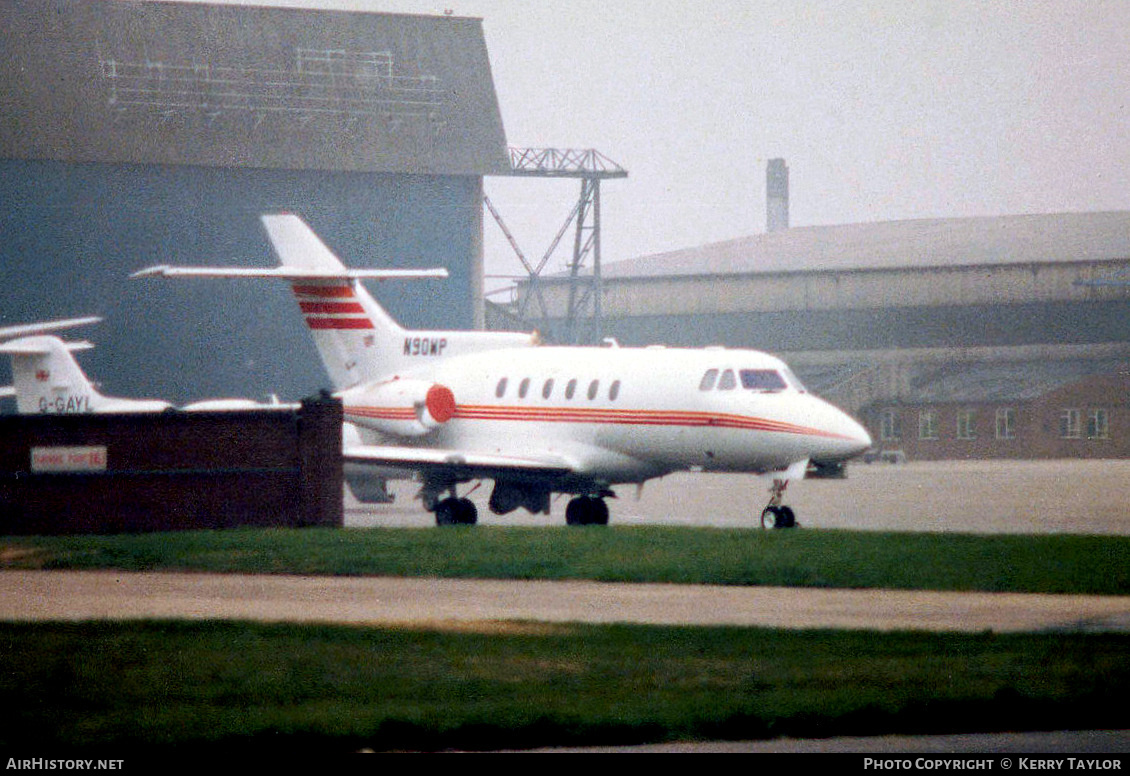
x: 767, y: 380
x: 762, y: 380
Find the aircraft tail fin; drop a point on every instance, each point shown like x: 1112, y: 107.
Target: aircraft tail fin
x: 348, y: 325
x: 48, y: 378
x: 358, y: 341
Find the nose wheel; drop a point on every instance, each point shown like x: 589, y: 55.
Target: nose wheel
x: 776, y: 515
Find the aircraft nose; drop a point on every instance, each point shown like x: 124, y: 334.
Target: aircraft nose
x: 861, y: 438
x: 852, y: 437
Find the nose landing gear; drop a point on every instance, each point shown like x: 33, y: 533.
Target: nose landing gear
x: 775, y: 514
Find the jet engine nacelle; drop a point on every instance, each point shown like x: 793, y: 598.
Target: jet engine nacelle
x: 401, y: 407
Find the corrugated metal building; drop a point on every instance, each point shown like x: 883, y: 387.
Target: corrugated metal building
x: 903, y: 284
x: 894, y: 319
x: 137, y: 133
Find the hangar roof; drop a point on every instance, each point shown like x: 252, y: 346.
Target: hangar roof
x: 949, y: 242
x: 222, y: 85
x: 1018, y: 381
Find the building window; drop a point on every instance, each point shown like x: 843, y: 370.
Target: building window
x: 1097, y: 427
x: 966, y: 424
x: 890, y: 426
x: 1070, y: 424
x: 1006, y: 423
x: 927, y: 424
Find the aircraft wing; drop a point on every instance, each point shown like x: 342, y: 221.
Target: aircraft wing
x: 486, y: 465
x: 288, y: 273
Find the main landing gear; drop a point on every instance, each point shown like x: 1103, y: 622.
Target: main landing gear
x: 453, y: 510
x: 586, y: 510
x: 456, y: 511
x: 777, y: 515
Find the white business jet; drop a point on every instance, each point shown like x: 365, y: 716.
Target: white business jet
x: 460, y: 406
x: 48, y: 380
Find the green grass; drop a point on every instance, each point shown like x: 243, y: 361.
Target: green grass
x: 834, y: 559
x: 320, y: 689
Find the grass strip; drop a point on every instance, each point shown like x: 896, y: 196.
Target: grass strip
x: 168, y: 685
x: 806, y: 558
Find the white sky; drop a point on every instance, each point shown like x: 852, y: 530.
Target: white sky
x: 883, y: 110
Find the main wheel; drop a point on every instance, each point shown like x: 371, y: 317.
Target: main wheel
x: 447, y: 511
x: 586, y: 510
x: 456, y: 511
x: 466, y: 513
x: 576, y: 512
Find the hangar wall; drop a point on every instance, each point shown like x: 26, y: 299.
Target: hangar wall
x: 137, y: 133
x: 74, y: 232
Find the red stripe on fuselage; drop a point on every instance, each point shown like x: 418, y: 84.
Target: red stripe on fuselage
x: 619, y: 417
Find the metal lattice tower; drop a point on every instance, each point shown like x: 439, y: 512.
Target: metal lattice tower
x: 591, y: 167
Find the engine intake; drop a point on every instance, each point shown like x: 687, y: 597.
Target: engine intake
x: 402, y: 407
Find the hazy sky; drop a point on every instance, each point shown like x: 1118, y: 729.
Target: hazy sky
x: 882, y: 110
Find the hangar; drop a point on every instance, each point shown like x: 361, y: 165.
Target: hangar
x: 951, y: 338
x: 140, y: 133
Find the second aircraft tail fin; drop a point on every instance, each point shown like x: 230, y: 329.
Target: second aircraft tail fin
x: 48, y: 379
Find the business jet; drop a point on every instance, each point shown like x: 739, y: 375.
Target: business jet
x: 48, y: 380
x: 456, y: 407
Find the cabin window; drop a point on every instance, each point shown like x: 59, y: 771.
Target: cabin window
x: 500, y: 391
x: 708, y: 380
x: 523, y: 388
x: 728, y: 381
x: 762, y: 380
x: 571, y: 388
x: 547, y: 389
x: 614, y: 391
x: 594, y: 386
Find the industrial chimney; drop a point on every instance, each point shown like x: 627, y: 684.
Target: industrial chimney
x: 777, y: 196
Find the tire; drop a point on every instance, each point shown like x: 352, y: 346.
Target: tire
x: 576, y: 512
x: 770, y: 518
x: 586, y: 510
x: 447, y: 512
x: 466, y: 513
